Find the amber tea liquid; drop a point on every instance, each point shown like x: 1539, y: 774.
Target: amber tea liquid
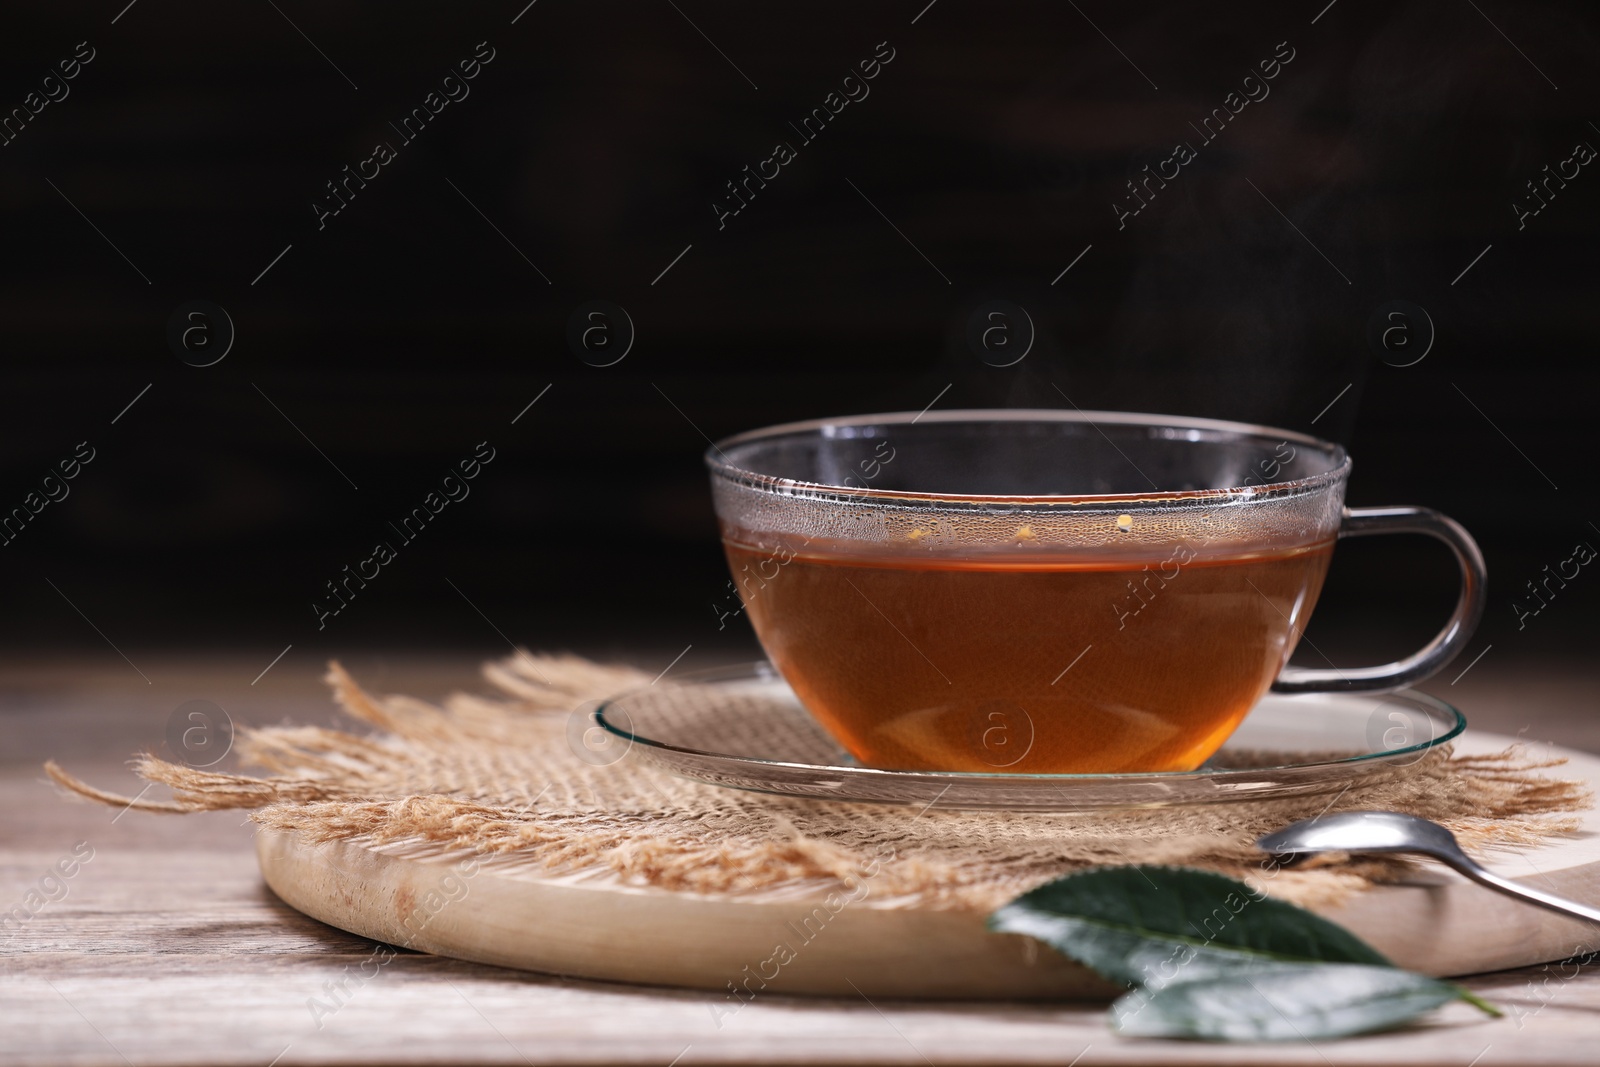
x: 1029, y: 665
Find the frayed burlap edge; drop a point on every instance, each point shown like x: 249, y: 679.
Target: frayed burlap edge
x: 443, y: 776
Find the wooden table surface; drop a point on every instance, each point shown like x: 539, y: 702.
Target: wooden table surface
x: 166, y: 948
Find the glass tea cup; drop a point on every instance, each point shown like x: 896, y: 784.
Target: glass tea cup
x: 1044, y: 591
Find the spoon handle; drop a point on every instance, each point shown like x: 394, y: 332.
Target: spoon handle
x: 1516, y: 889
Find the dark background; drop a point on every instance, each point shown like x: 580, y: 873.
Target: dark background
x: 596, y: 141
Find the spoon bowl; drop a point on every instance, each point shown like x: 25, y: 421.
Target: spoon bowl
x: 1362, y: 831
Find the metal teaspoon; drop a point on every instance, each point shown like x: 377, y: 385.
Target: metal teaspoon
x: 1391, y: 831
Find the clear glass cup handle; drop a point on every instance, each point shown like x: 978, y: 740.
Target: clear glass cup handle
x: 1359, y: 522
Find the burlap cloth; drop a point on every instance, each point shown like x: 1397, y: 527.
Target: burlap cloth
x: 497, y: 775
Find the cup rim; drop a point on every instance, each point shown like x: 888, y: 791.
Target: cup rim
x: 722, y: 467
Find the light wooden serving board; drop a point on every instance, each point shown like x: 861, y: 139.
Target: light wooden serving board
x: 793, y: 941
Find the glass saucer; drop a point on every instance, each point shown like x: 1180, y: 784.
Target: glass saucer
x: 743, y: 728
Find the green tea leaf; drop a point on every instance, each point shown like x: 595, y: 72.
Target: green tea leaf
x: 1212, y: 959
x: 1283, y: 1002
x: 1153, y: 926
